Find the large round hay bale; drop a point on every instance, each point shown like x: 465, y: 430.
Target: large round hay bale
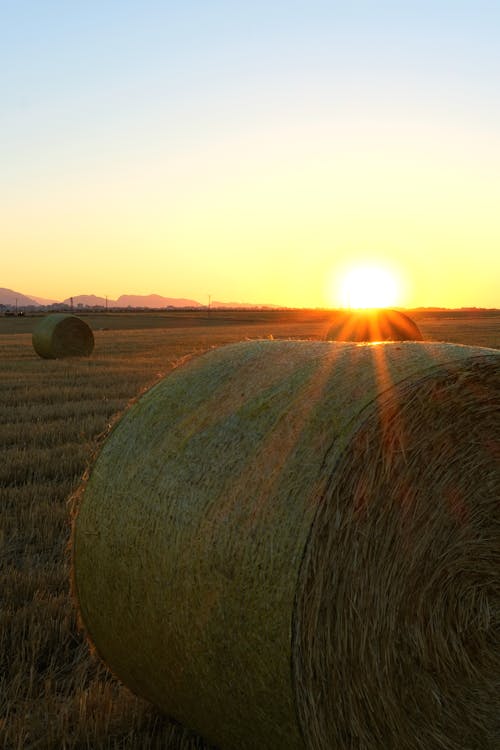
x: 373, y: 325
x: 296, y: 544
x: 62, y: 335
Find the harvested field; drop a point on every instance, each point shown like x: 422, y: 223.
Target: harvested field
x: 53, y: 692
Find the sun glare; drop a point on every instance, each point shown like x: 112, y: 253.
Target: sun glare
x: 368, y: 286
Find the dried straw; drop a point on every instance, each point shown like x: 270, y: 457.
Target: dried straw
x: 290, y: 544
x: 62, y: 335
x: 373, y: 325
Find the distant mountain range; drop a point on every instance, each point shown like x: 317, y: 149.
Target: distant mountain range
x: 11, y: 298
x: 132, y: 300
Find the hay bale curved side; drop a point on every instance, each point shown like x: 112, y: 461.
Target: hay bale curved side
x: 194, y: 542
x: 373, y: 325
x: 62, y: 335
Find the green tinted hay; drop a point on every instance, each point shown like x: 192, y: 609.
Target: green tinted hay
x: 62, y: 335
x: 373, y: 325
x: 291, y: 544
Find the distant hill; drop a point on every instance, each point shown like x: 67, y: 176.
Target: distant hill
x: 10, y: 298
x: 89, y: 300
x: 131, y: 300
x: 153, y: 300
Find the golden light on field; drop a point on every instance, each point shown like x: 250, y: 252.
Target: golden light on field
x: 368, y: 286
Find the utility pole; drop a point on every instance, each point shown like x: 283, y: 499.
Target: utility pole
x: 106, y: 303
x: 209, y: 300
x: 71, y: 304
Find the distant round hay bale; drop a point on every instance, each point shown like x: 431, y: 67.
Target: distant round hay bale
x: 373, y: 325
x: 62, y: 335
x: 296, y: 544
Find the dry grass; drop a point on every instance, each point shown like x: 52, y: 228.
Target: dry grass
x: 401, y: 649
x: 53, y: 692
x: 238, y: 449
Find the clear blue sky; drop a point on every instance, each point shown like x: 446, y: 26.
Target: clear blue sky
x: 250, y: 150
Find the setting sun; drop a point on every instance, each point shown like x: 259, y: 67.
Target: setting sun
x: 369, y: 286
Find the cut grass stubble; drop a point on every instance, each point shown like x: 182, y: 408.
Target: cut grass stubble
x: 53, y: 692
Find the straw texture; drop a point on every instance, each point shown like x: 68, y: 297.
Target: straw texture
x: 373, y: 325
x: 62, y: 335
x: 291, y: 544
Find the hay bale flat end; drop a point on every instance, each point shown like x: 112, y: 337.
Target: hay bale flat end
x: 62, y: 335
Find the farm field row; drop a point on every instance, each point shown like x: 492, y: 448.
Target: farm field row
x: 481, y: 328
x: 54, y: 693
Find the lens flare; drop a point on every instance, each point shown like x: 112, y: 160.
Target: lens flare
x: 369, y: 286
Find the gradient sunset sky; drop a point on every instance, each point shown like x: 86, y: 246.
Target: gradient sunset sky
x: 253, y: 151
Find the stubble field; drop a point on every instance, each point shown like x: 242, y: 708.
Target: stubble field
x: 53, y: 692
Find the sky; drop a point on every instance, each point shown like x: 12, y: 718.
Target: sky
x: 253, y: 152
